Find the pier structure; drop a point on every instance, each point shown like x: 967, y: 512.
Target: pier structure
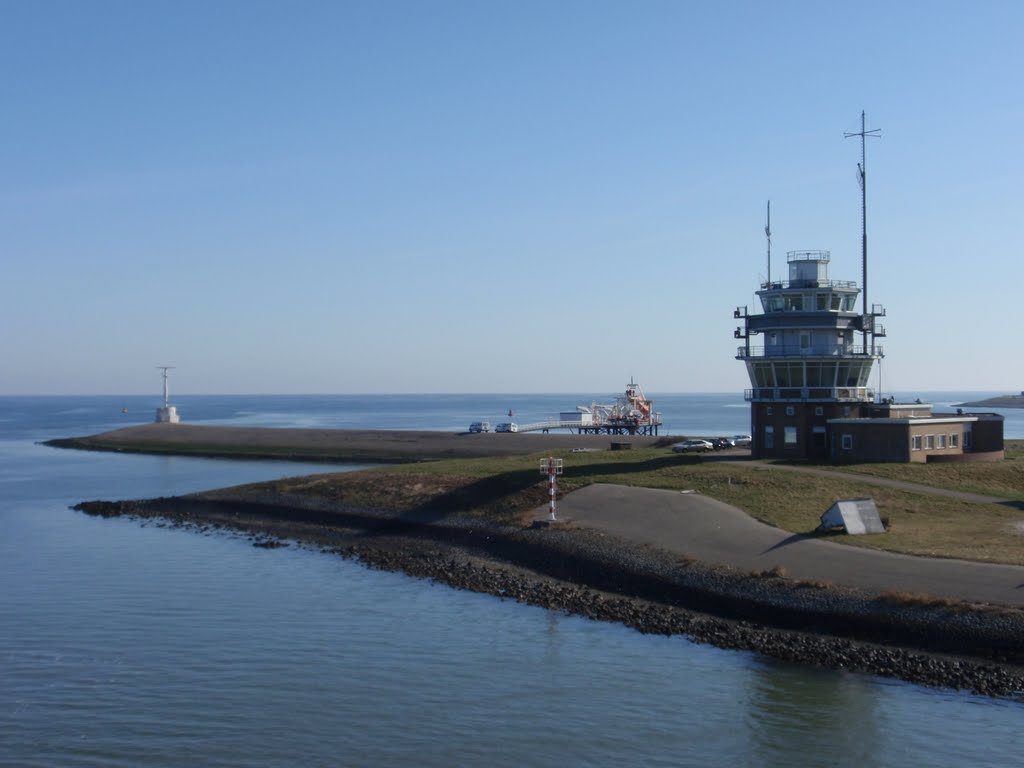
x: 632, y: 413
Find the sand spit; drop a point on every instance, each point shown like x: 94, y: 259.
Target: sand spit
x: 359, y: 446
x: 587, y: 573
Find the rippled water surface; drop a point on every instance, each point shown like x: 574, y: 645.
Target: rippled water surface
x: 126, y: 644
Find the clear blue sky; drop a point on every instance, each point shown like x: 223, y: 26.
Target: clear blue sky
x: 320, y: 197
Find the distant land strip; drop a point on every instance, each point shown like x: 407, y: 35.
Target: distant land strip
x: 1003, y: 401
x: 356, y: 446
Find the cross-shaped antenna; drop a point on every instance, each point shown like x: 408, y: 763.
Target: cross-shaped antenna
x: 862, y: 166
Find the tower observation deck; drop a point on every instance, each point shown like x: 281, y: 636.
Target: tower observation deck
x: 814, y: 358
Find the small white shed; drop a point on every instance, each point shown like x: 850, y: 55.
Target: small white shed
x: 857, y: 516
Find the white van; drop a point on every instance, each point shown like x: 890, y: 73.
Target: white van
x: 480, y: 426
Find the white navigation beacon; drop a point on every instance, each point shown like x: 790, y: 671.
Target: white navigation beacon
x: 167, y: 414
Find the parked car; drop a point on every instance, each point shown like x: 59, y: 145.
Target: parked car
x: 698, y: 446
x: 480, y: 426
x: 721, y: 443
x: 507, y: 427
x: 741, y: 441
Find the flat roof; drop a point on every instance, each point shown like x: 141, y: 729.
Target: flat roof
x: 907, y: 420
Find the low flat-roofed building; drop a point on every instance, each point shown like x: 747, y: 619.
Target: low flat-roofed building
x: 901, y: 432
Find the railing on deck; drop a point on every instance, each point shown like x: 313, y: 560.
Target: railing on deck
x: 795, y: 350
x: 845, y: 394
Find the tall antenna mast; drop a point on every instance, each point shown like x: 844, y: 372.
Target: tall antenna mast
x: 862, y: 178
x: 768, y: 234
x: 165, y: 369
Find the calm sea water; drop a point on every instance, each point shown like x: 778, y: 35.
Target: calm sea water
x: 136, y: 645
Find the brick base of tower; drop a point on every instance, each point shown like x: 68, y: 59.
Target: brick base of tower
x: 797, y: 430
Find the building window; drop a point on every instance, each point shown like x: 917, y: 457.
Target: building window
x: 942, y: 441
x: 968, y: 441
x: 847, y: 442
x: 929, y: 442
x: 790, y: 436
x: 954, y: 440
x: 790, y: 410
x: 768, y: 411
x: 915, y: 442
x: 769, y: 437
x: 846, y: 410
x: 819, y: 411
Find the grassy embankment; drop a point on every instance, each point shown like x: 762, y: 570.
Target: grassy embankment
x: 507, y: 489
x: 1004, y: 479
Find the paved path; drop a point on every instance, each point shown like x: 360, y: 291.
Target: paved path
x: 714, y: 532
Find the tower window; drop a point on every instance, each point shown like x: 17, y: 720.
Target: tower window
x: 790, y: 410
x: 847, y: 442
x: 790, y: 436
x: 819, y: 411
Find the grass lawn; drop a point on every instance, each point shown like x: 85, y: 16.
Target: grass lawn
x: 1004, y: 479
x: 507, y: 489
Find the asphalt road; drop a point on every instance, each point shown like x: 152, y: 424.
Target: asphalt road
x: 713, y: 532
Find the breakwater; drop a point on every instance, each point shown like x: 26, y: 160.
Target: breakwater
x: 583, y: 573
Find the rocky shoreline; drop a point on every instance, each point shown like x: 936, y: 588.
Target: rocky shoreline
x: 586, y: 573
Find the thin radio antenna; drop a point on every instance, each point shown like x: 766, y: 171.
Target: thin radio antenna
x: 862, y: 178
x: 768, y: 234
x: 165, y: 369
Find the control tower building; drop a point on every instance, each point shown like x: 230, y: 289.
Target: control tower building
x: 809, y: 355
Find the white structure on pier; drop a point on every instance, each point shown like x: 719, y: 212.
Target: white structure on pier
x: 168, y: 414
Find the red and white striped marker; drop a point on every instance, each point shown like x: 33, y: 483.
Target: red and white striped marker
x: 551, y: 467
